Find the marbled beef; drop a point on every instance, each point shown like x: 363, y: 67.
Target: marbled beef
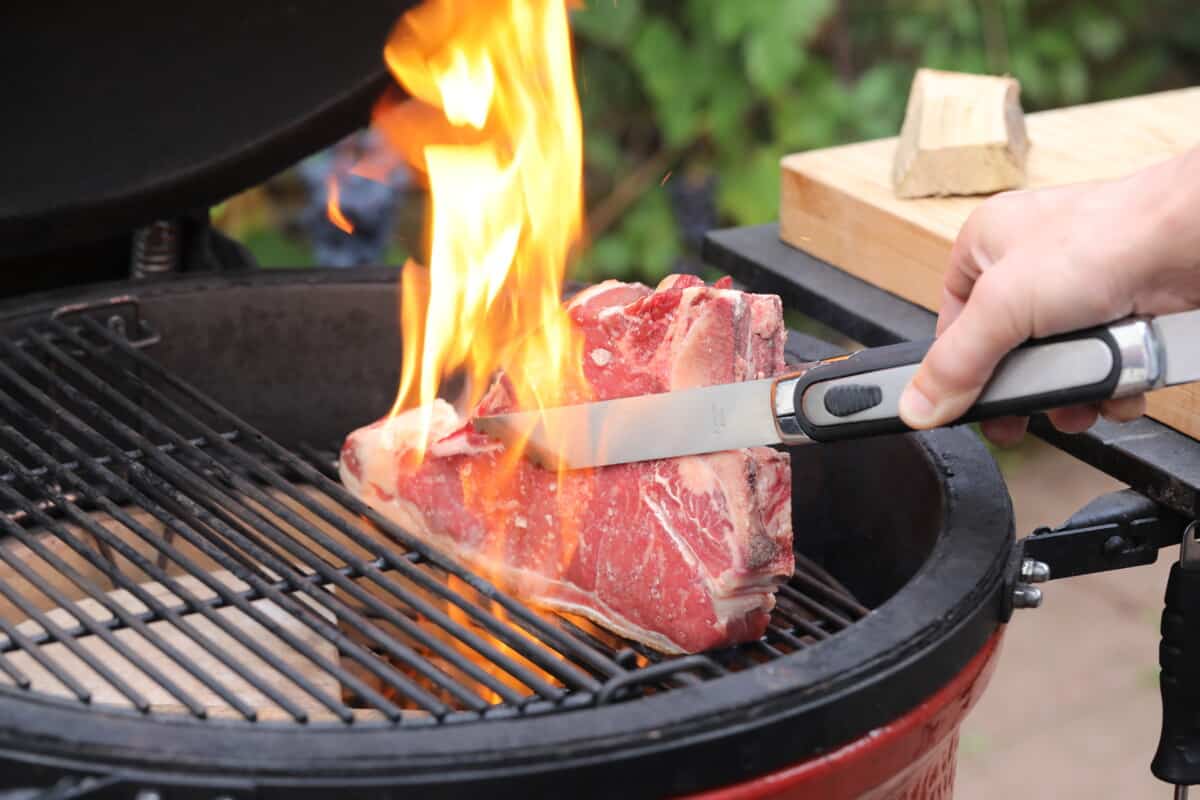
x: 683, y: 554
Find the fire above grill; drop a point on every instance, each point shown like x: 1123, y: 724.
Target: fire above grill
x: 185, y: 600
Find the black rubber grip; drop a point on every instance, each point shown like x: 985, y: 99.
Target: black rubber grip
x: 851, y: 398
x: 1178, y: 758
x: 876, y: 359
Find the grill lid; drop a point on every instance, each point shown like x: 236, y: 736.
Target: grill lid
x: 117, y: 114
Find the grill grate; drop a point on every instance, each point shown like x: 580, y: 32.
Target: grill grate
x: 164, y: 556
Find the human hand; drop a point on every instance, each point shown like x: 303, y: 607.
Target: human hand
x: 1039, y: 263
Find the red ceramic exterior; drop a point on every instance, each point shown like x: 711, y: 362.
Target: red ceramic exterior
x: 912, y: 758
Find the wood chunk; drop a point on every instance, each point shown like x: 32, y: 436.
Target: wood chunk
x: 963, y: 134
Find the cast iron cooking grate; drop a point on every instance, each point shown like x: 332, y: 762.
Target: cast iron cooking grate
x: 161, y: 556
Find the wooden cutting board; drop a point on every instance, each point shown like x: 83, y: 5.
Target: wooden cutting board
x: 838, y: 205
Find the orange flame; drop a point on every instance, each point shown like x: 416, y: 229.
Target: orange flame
x: 333, y: 208
x: 494, y: 125
x: 492, y: 668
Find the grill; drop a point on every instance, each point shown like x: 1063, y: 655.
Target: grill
x: 190, y: 604
x: 188, y: 597
x: 363, y: 622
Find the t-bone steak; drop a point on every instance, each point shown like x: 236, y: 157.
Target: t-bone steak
x: 682, y: 554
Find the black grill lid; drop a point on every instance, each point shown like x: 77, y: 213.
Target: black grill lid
x: 119, y: 113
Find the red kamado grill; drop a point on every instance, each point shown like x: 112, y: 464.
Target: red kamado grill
x: 192, y: 606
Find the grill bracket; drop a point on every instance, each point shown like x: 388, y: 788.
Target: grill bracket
x: 1115, y: 531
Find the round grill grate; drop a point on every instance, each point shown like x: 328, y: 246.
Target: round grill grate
x: 165, y: 557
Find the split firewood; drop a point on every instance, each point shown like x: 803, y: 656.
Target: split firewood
x: 963, y: 134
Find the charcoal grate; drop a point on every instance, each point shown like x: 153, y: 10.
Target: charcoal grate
x: 164, y: 557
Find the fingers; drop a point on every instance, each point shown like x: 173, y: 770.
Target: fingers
x: 952, y: 306
x: 1077, y: 419
x: 954, y: 370
x: 1124, y: 409
x: 1005, y: 431
x: 983, y: 240
x: 1074, y: 419
x: 1025, y: 264
x: 968, y: 259
x: 1008, y: 431
x: 961, y: 360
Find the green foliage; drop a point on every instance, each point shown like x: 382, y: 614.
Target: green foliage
x: 647, y: 246
x: 727, y: 87
x: 272, y: 248
x: 674, y: 92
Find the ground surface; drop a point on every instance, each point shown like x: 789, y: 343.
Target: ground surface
x: 1073, y: 709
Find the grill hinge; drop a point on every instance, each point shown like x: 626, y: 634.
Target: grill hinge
x: 1117, y: 530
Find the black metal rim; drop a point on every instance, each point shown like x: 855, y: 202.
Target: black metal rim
x: 716, y: 733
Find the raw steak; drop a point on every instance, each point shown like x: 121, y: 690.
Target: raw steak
x: 683, y: 554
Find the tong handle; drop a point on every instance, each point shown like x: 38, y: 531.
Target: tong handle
x: 1178, y: 758
x: 858, y: 395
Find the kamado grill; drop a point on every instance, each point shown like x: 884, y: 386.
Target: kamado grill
x: 192, y: 606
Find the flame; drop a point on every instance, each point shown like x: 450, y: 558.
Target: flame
x: 494, y: 125
x: 333, y: 208
x: 486, y: 664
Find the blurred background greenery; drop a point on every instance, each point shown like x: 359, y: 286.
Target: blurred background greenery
x: 689, y: 104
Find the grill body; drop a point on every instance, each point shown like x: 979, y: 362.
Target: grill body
x: 911, y: 758
x: 919, y: 527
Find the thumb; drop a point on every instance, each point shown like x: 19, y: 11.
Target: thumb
x: 996, y: 318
